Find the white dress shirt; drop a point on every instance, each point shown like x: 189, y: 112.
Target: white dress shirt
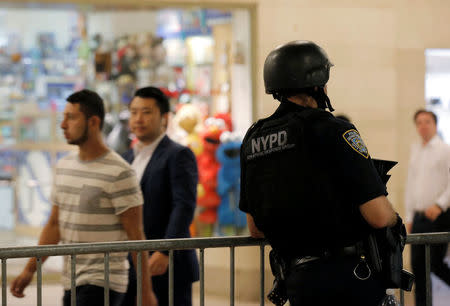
x: 142, y: 155
x: 428, y: 180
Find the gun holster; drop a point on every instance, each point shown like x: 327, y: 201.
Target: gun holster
x: 277, y: 294
x: 384, y: 249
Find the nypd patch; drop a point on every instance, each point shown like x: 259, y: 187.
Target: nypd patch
x: 269, y: 143
x: 355, y: 141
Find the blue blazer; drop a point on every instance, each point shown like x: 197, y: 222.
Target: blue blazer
x: 169, y: 187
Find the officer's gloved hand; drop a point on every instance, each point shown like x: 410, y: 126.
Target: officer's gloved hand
x: 397, y: 233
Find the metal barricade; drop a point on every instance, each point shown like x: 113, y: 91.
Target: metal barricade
x: 427, y: 240
x: 106, y: 248
x: 174, y: 244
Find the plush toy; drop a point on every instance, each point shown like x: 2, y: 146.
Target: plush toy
x: 188, y: 119
x: 208, y: 200
x: 226, y: 117
x: 231, y: 221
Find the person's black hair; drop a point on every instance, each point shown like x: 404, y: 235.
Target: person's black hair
x: 155, y: 93
x: 91, y: 104
x: 423, y: 111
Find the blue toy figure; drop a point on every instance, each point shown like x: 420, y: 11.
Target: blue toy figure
x: 231, y: 221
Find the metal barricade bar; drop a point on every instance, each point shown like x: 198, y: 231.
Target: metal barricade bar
x: 428, y: 238
x: 202, y: 277
x: 4, y: 282
x: 139, y: 277
x: 261, y: 270
x: 402, y: 297
x: 427, y: 275
x: 171, y: 280
x: 73, y: 288
x: 232, y: 276
x: 128, y: 246
x: 106, y: 287
x: 39, y: 280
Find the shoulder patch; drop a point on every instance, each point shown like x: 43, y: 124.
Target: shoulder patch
x: 355, y: 141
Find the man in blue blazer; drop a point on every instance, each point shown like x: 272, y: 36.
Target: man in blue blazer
x: 168, y: 176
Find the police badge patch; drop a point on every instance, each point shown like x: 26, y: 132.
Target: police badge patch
x: 355, y: 141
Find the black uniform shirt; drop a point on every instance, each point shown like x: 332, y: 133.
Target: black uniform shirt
x: 298, y: 218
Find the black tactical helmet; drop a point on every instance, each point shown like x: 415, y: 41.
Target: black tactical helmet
x: 296, y: 65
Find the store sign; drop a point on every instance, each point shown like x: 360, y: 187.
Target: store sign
x: 186, y: 23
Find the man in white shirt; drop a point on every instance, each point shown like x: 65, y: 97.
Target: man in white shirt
x: 427, y: 193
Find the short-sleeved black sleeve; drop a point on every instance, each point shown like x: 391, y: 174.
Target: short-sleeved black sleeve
x: 243, y: 203
x: 349, y: 161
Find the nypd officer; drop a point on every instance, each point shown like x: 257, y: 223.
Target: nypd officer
x: 309, y: 186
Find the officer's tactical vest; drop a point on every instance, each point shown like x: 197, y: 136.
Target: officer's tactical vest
x: 290, y: 195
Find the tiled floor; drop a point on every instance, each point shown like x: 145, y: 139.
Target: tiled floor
x: 52, y: 296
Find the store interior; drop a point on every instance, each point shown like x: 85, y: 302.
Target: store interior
x: 199, y: 57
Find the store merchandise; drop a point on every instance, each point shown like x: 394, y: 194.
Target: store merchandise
x: 208, y: 200
x: 188, y: 122
x: 231, y: 220
x: 34, y: 181
x: 8, y: 161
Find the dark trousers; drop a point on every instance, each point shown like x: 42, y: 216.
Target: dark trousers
x: 91, y: 295
x: 437, y: 254
x: 439, y: 251
x: 332, y: 282
x: 182, y: 290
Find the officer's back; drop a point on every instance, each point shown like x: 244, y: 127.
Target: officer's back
x: 308, y: 184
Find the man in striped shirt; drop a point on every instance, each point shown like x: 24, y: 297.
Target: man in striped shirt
x: 96, y: 198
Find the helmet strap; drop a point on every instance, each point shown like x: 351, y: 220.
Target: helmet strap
x: 278, y: 96
x: 321, y: 98
x: 319, y: 95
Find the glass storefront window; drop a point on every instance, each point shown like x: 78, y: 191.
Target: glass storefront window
x: 199, y: 57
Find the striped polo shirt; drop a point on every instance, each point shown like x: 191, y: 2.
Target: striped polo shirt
x: 91, y: 195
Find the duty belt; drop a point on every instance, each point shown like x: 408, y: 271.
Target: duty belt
x: 342, y: 252
x: 332, y: 253
x: 281, y: 267
x: 302, y: 260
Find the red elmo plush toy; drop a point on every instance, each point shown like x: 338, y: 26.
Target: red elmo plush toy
x: 208, y: 200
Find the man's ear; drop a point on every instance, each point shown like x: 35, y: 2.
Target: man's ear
x: 94, y: 121
x: 165, y: 120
